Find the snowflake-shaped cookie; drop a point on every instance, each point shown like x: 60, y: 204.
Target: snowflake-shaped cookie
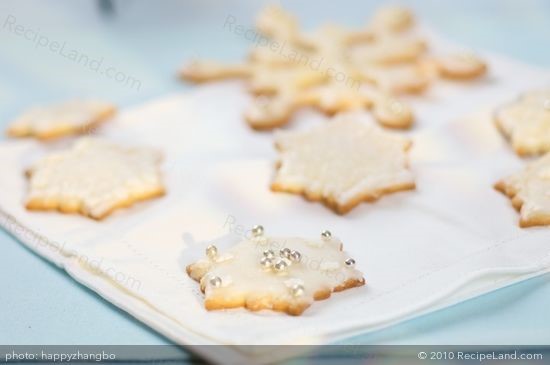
x: 275, y: 273
x: 62, y: 119
x: 338, y: 64
x: 526, y: 123
x: 529, y: 190
x: 342, y: 163
x: 94, y: 178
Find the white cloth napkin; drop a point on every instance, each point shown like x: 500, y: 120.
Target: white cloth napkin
x: 452, y: 239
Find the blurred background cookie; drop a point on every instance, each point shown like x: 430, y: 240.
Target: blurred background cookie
x: 62, y: 119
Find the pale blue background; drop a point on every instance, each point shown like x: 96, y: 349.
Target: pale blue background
x: 39, y: 304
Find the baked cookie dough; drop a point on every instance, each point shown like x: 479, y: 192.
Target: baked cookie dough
x: 529, y: 191
x: 94, y: 177
x: 328, y: 69
x: 72, y: 117
x: 526, y: 123
x: 342, y: 163
x: 284, y: 274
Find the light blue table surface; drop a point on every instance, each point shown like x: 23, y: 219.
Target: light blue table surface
x: 147, y: 41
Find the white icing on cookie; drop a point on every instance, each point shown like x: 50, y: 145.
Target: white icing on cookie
x: 529, y: 190
x: 94, y: 177
x: 330, y: 266
x: 61, y: 119
x: 389, y: 49
x: 248, y: 281
x: 526, y: 123
x: 407, y: 78
x: 392, y: 19
x: 392, y: 113
x: 342, y: 163
x: 464, y: 65
x: 331, y: 64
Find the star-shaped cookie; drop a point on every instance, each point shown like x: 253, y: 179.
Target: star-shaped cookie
x: 52, y: 121
x: 342, y: 163
x: 526, y: 123
x: 529, y: 190
x: 94, y: 177
x: 275, y: 273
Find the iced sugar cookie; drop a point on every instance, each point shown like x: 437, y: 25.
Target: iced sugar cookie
x: 337, y: 63
x: 284, y: 274
x: 73, y: 117
x: 529, y: 190
x: 526, y: 123
x: 342, y: 163
x: 94, y: 177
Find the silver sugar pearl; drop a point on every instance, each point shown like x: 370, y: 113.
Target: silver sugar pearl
x: 266, y: 262
x: 269, y: 254
x: 326, y: 235
x: 280, y: 266
x: 211, y: 251
x: 350, y: 262
x: 215, y: 281
x: 285, y: 252
x: 297, y: 290
x: 295, y: 256
x: 257, y: 230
